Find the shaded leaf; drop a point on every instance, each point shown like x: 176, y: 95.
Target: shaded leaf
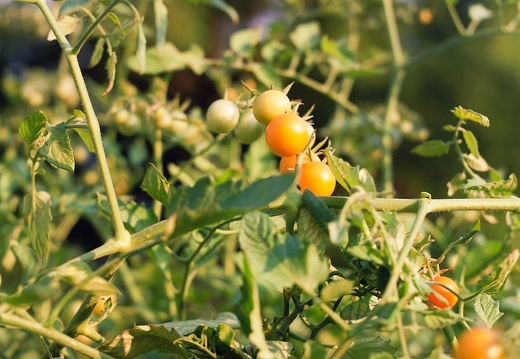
x: 494, y: 283
x: 161, y: 22
x: 140, y: 51
x: 80, y: 275
x: 370, y: 347
x: 431, y: 148
x: 503, y: 188
x: 221, y: 5
x: 42, y: 289
x: 350, y: 176
x: 97, y: 54
x: 27, y: 260
x: 57, y: 149
x: 70, y: 6
x: 111, y: 72
x: 33, y: 127
x: 186, y: 327
x: 135, y: 216
x: 437, y: 319
x: 37, y: 213
x: 155, y: 184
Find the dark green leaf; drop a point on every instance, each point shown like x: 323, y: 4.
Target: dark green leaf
x: 322, y: 214
x: 366, y: 348
x: 37, y: 212
x: 155, y: 184
x: 431, y: 148
x: 471, y: 115
x: 57, y: 149
x: 144, y: 339
x: 278, y: 260
x: 33, y: 127
x: 471, y: 142
x: 487, y: 309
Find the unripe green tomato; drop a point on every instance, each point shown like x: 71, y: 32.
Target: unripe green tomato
x: 162, y: 118
x: 248, y: 129
x: 269, y: 104
x: 132, y: 125
x: 222, y: 116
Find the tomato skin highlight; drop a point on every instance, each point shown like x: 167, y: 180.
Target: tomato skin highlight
x: 450, y: 299
x: 270, y: 104
x: 479, y: 343
x: 287, y: 135
x: 318, y: 178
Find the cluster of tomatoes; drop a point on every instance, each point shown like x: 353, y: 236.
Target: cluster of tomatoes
x: 287, y: 135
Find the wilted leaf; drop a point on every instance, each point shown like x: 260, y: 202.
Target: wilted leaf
x: 494, y: 283
x: 67, y: 25
x: 97, y: 54
x: 476, y: 163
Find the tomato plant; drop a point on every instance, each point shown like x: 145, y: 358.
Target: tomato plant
x: 269, y: 104
x: 479, y: 343
x: 443, y: 297
x: 287, y: 135
x: 113, y: 183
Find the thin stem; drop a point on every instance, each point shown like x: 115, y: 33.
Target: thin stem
x: 121, y: 234
x: 456, y: 18
x: 86, y: 34
x: 158, y: 160
x: 51, y: 333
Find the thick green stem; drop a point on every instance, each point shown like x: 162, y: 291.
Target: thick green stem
x: 121, y: 234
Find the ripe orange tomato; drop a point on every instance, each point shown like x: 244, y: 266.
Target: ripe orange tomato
x: 287, y: 164
x: 287, y: 135
x: 318, y: 178
x: 270, y: 104
x: 441, y: 297
x: 479, y: 343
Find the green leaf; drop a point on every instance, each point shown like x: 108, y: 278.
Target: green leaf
x: 27, y: 260
x: 70, y: 6
x: 313, y: 350
x: 37, y: 213
x: 80, y: 275
x: 161, y: 22
x: 205, y: 204
x: 78, y: 122
x: 279, y: 260
x: 357, y: 308
x: 431, y: 148
x: 503, y: 188
x: 135, y: 216
x: 97, y: 54
x: 471, y: 115
x: 155, y: 184
x: 186, y: 327
x: 33, y: 127
x: 336, y: 289
x: 306, y: 36
x: 437, y: 319
x: 487, y: 309
x: 114, y: 18
x: 313, y: 220
x: 244, y: 41
x: 42, y: 289
x: 366, y: 348
x: 266, y: 74
x: 144, y: 339
x: 471, y: 142
x: 494, y: 283
x: 350, y: 176
x: 140, y: 50
x: 57, y: 149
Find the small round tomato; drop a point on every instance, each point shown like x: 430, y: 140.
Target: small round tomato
x: 270, y: 104
x: 287, y: 135
x: 479, y: 343
x: 287, y: 164
x: 222, y: 116
x: 318, y: 178
x: 441, y: 297
x: 248, y: 129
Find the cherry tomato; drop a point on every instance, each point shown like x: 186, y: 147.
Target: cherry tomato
x: 248, y: 129
x: 318, y: 178
x: 441, y: 297
x: 479, y: 343
x: 287, y: 164
x: 100, y: 305
x: 270, y: 104
x: 287, y: 135
x: 222, y: 116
